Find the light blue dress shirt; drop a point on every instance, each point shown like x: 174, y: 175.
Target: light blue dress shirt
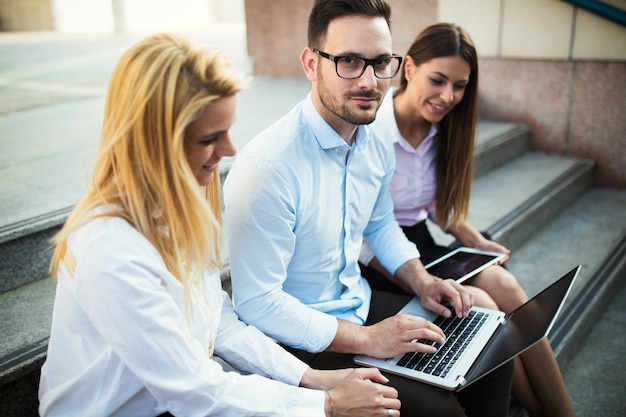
x: 298, y: 203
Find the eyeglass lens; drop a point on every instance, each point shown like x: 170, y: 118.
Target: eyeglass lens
x: 354, y: 67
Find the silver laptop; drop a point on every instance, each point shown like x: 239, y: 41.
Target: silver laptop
x: 485, y: 340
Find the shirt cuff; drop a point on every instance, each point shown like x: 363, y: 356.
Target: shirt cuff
x: 323, y: 329
x: 401, y: 254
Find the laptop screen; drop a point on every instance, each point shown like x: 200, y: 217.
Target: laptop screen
x: 525, y: 326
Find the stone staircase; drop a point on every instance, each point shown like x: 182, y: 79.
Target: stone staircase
x: 543, y: 207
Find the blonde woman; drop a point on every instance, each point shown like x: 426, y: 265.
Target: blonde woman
x: 431, y: 118
x: 139, y: 310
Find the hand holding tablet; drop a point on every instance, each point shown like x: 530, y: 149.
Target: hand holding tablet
x: 463, y: 263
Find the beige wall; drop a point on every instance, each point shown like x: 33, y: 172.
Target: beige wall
x: 557, y: 68
x: 277, y: 31
x: 122, y: 16
x: 535, y: 29
x: 25, y: 15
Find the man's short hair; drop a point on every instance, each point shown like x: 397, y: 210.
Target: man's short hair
x: 324, y: 11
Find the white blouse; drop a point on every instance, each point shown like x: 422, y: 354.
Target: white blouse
x: 123, y: 343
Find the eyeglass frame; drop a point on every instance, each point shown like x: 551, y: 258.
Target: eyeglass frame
x: 368, y: 62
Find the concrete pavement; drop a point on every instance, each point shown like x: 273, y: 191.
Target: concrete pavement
x: 52, y: 93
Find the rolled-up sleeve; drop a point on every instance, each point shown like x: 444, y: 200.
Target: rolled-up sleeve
x: 249, y: 350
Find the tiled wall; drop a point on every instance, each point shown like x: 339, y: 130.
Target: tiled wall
x: 557, y: 68
x: 535, y: 29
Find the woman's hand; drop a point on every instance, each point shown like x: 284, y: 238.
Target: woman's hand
x: 468, y: 235
x: 491, y: 246
x: 361, y: 393
x: 354, y: 392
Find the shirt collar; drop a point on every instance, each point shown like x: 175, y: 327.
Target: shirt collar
x: 325, y: 135
x: 429, y: 141
x: 387, y: 114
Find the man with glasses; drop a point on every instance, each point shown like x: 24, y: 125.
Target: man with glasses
x: 351, y: 67
x: 301, y: 197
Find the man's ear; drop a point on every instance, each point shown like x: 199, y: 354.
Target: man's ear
x: 308, y: 58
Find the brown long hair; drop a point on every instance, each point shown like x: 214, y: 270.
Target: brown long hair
x: 455, y: 153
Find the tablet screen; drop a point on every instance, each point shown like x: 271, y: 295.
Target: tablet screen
x: 459, y: 264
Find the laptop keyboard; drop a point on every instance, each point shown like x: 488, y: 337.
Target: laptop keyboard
x: 458, y: 331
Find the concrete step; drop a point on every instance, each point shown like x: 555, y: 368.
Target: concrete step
x: 513, y: 200
x: 25, y: 243
x: 26, y: 299
x: 591, y: 232
x: 497, y: 143
x: 542, y: 207
x: 25, y: 319
x: 25, y: 249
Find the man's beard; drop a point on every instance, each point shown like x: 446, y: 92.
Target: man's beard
x: 342, y: 110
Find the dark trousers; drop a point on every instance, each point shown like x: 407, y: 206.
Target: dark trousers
x: 488, y: 396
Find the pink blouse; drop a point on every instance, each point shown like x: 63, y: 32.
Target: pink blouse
x: 414, y: 183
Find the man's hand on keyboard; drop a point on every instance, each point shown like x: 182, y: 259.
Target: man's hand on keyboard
x: 435, y: 295
x: 399, y: 334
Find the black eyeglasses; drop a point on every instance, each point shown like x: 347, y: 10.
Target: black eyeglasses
x: 351, y: 67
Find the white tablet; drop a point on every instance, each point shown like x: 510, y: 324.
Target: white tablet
x: 463, y: 263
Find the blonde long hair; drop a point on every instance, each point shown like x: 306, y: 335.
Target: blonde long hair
x: 159, y: 86
x: 455, y: 153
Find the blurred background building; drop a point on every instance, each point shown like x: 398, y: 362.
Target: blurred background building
x: 116, y: 16
x: 557, y: 66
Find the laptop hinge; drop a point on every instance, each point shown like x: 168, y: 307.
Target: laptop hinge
x: 460, y: 380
